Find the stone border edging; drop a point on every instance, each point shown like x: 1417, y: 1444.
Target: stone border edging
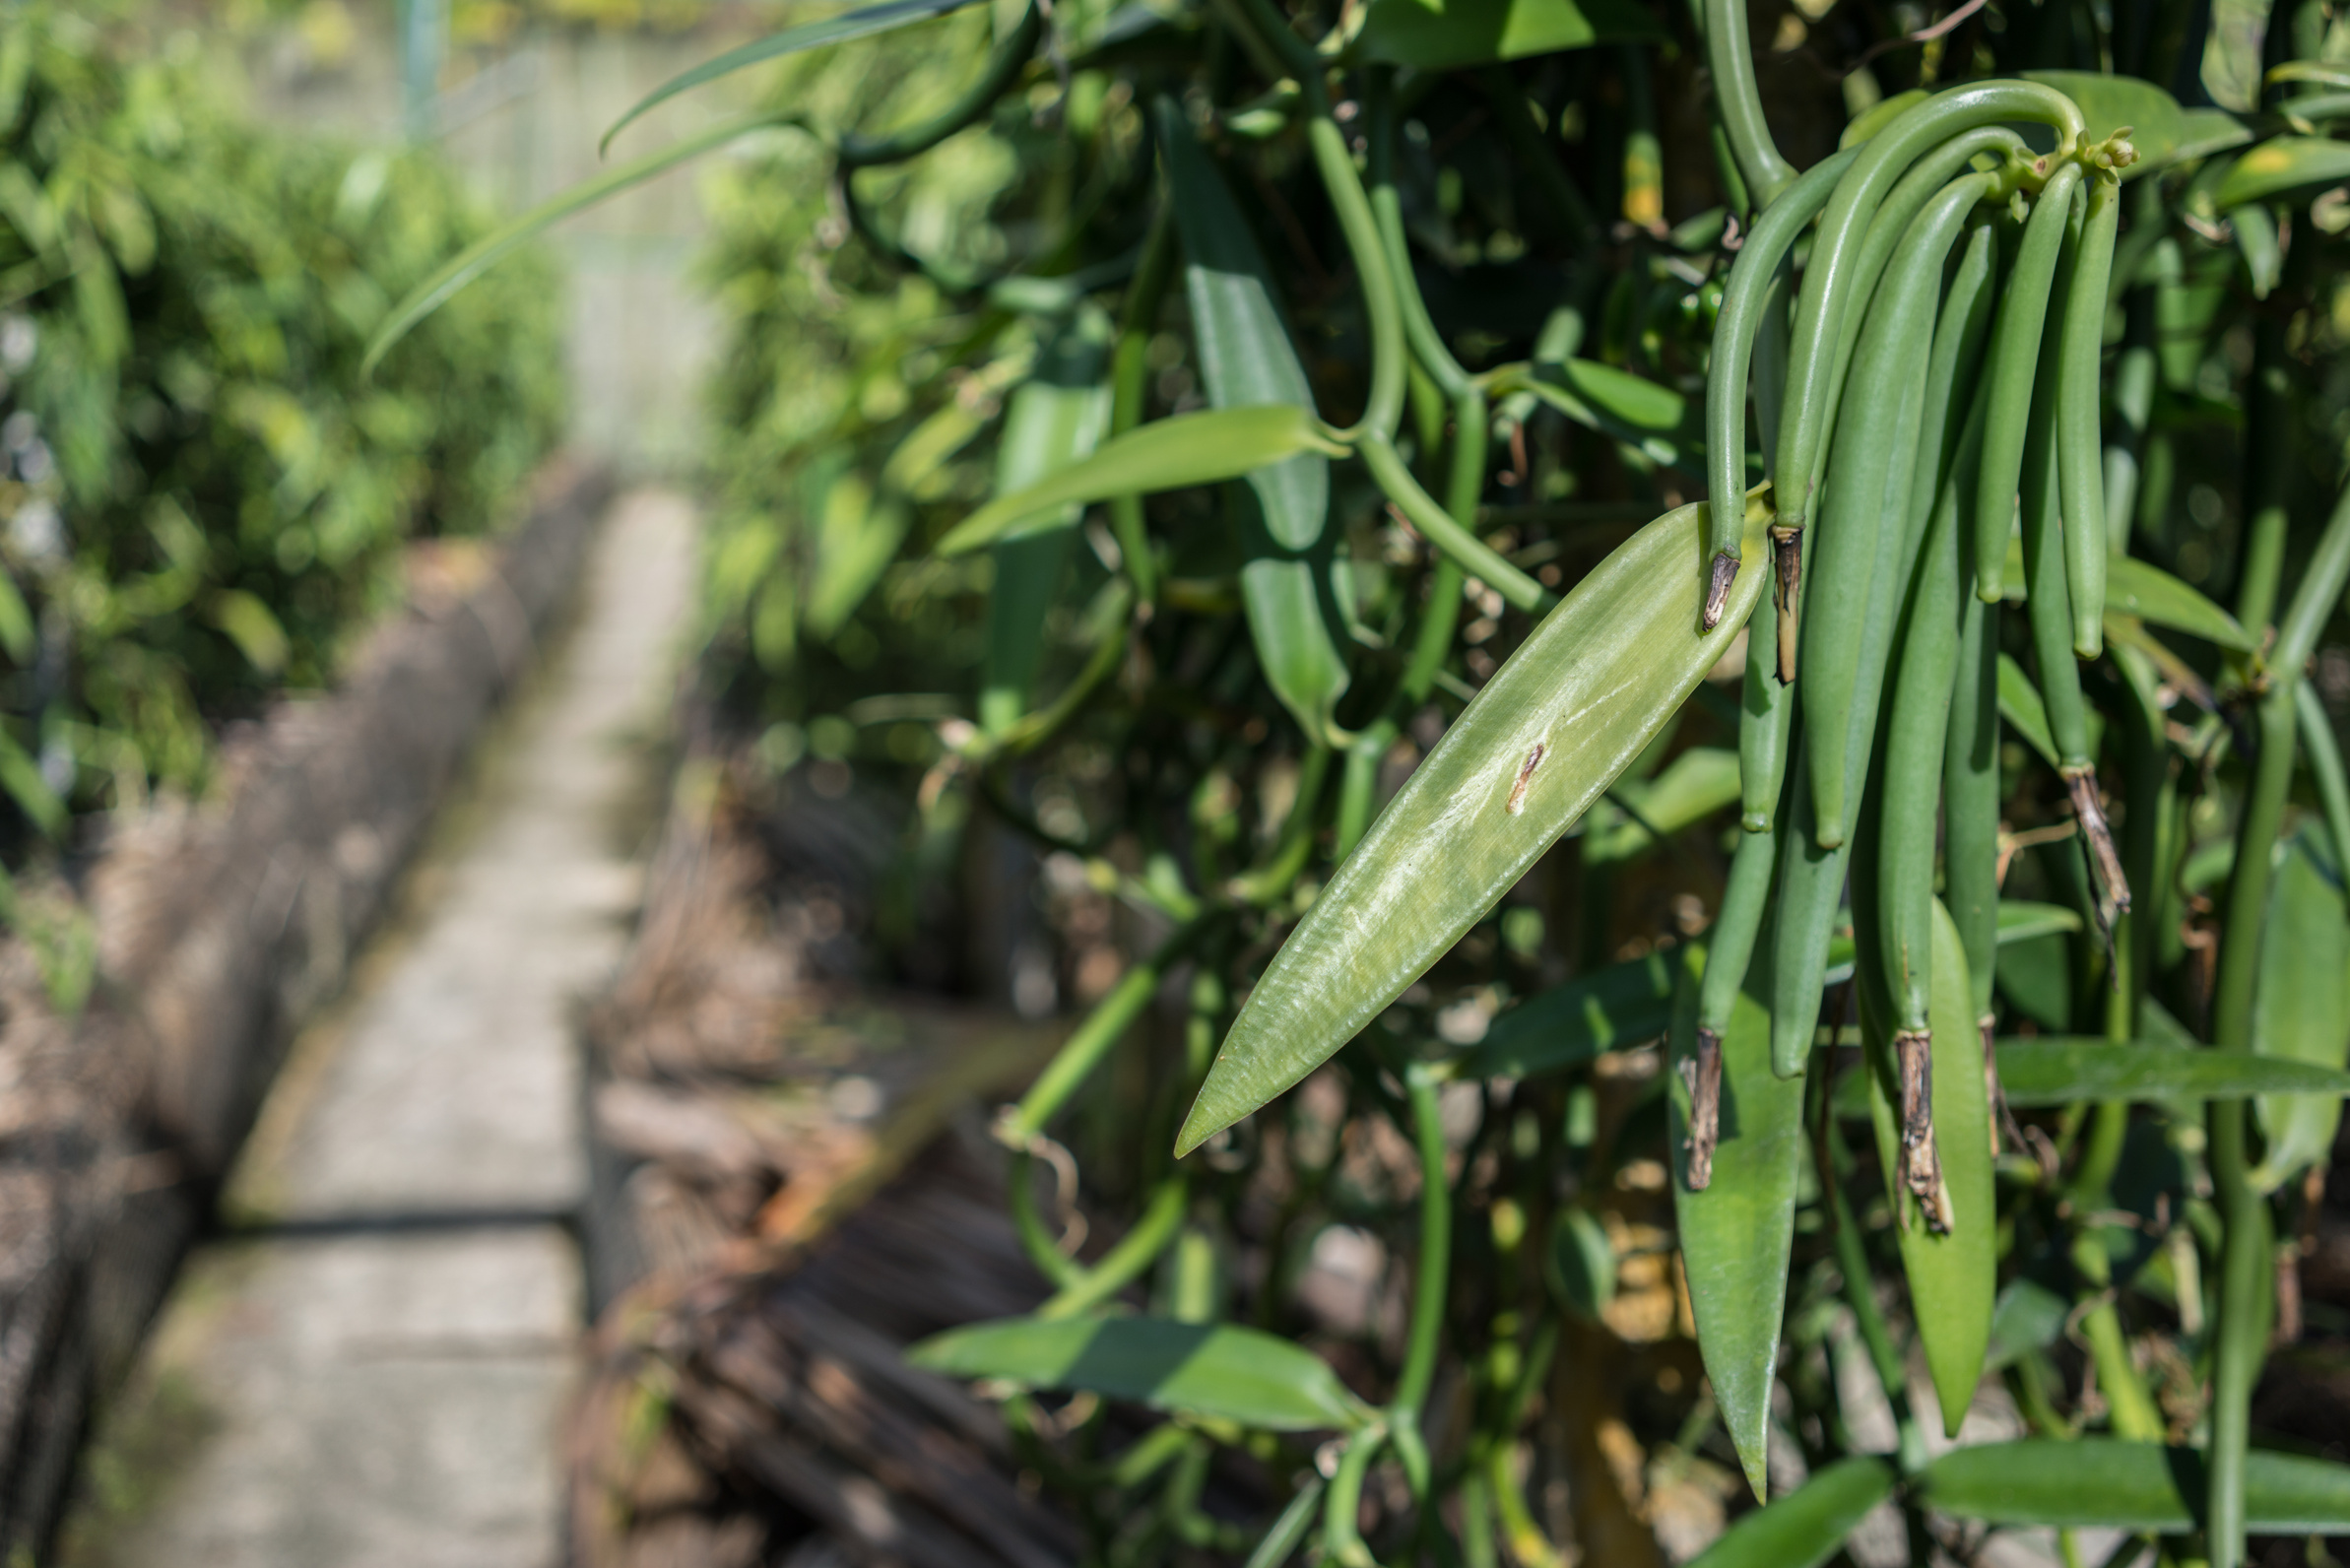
x: 220, y: 928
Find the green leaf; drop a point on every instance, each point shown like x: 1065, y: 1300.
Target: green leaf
x: 2285, y: 164
x: 1805, y: 1526
x: 1052, y: 421
x: 1624, y: 1004
x: 2029, y: 1317
x: 1738, y: 1234
x: 1246, y: 354
x: 2059, y: 1069
x: 2301, y: 1008
x: 791, y: 40
x: 2130, y: 1486
x: 1444, y: 34
x: 2021, y: 707
x: 1952, y: 1275
x: 1581, y: 1266
x: 2022, y: 921
x: 1187, y: 449
x: 2163, y: 132
x: 2135, y: 588
x: 1220, y: 1370
x: 492, y: 248
x: 1655, y: 420
x: 1569, y: 710
x: 1693, y: 787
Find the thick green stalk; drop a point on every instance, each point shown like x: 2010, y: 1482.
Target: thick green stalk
x: 1729, y: 60
x: 2242, y: 1329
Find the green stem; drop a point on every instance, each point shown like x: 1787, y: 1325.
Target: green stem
x: 1341, y: 1535
x: 1729, y: 59
x: 1010, y: 58
x: 1041, y: 1246
x: 1103, y: 1028
x: 1136, y: 1251
x: 1289, y: 1529
x: 1436, y: 1245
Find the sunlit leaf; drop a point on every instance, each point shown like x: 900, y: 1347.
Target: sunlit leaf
x: 1551, y: 729
x: 2136, y: 588
x: 491, y: 248
x: 2284, y: 163
x: 2129, y: 1487
x: 1220, y: 1370
x: 2057, y: 1069
x: 1655, y: 420
x: 1187, y: 449
x: 1738, y: 1233
x: 1953, y: 1273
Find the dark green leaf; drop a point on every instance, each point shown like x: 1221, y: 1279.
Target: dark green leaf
x: 1624, y: 1004
x: 791, y: 40
x: 2021, y: 707
x: 2029, y: 1317
x: 1580, y: 1268
x: 1220, y: 1370
x: 2061, y: 1069
x: 1432, y: 36
x: 2133, y: 1486
x: 2301, y: 1011
x: 1806, y: 1526
x: 1246, y: 357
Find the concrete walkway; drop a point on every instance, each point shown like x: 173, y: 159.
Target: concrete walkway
x: 377, y: 1374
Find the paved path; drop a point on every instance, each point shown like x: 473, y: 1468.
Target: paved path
x: 375, y: 1378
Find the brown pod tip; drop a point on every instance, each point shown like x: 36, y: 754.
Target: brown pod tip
x: 2088, y: 809
x: 1787, y: 559
x: 1701, y: 1073
x: 1921, y: 1160
x: 1724, y: 572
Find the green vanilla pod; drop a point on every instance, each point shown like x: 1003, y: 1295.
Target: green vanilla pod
x: 1812, y: 876
x: 1910, y: 791
x: 1746, y: 300
x: 2080, y: 450
x: 2048, y: 608
x: 1827, y: 295
x: 2013, y: 368
x: 1729, y: 948
x: 1870, y: 495
x: 1887, y: 228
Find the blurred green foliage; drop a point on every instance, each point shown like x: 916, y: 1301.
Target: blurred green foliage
x: 201, y: 503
